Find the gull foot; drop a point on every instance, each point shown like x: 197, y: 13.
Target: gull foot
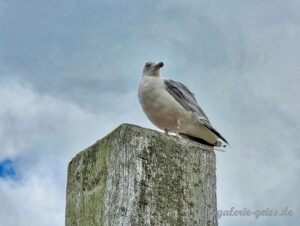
x: 178, y: 127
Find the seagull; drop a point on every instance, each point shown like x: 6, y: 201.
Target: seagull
x: 172, y: 107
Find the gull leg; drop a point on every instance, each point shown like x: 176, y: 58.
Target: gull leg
x: 178, y: 127
x: 166, y: 132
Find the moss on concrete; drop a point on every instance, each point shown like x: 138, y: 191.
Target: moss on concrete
x: 87, y: 175
x: 137, y: 176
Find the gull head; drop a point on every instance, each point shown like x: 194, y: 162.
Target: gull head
x: 152, y: 69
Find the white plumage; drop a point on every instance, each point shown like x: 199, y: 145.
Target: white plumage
x: 172, y: 107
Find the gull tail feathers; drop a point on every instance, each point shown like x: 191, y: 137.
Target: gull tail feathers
x: 216, y: 133
x: 201, y: 141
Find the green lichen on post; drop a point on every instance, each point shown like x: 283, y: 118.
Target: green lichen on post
x: 90, y: 174
x: 137, y: 176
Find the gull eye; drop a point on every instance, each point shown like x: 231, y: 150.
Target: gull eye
x: 147, y: 65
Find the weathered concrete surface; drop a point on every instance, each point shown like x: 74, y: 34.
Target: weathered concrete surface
x: 137, y: 176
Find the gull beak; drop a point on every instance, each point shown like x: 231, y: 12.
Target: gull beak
x: 159, y: 65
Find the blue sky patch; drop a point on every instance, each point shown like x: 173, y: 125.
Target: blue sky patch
x: 7, y: 169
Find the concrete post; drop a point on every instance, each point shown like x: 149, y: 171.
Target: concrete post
x: 137, y: 176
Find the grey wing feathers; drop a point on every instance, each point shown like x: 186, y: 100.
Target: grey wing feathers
x: 185, y: 97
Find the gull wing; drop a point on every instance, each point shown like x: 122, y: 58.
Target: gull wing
x: 187, y: 100
x: 185, y: 97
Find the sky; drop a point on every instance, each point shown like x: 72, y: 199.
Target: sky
x: 69, y: 72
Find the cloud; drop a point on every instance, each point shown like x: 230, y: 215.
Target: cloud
x: 34, y: 201
x: 29, y: 120
x: 41, y: 133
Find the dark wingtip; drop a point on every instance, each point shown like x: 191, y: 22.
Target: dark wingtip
x: 216, y: 133
x: 196, y: 139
